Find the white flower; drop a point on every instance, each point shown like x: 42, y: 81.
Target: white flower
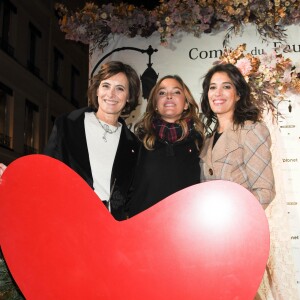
x: 244, y: 65
x: 103, y: 16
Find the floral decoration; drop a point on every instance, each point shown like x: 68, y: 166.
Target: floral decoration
x: 95, y: 24
x: 271, y: 76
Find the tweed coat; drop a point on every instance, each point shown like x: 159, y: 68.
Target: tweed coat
x: 243, y: 156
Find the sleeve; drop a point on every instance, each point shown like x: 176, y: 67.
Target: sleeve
x: 258, y: 162
x: 52, y: 148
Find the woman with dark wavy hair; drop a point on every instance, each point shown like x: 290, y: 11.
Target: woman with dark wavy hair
x: 171, y: 136
x: 237, y: 147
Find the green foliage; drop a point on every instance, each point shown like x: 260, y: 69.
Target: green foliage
x: 8, y: 288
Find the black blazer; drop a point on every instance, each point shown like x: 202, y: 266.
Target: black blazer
x: 67, y: 143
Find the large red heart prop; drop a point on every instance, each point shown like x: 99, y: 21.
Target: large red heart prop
x: 208, y: 241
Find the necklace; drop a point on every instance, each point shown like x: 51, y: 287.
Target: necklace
x: 106, y: 129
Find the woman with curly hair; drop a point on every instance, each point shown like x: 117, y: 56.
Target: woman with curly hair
x: 237, y: 147
x: 171, y: 136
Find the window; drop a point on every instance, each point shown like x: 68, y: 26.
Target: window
x: 75, y: 86
x: 31, y: 128
x: 34, y: 44
x: 7, y: 11
x: 57, y: 71
x: 6, y: 116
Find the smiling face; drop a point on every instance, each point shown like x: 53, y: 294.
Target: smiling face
x: 112, y: 95
x: 170, y: 100
x: 222, y: 95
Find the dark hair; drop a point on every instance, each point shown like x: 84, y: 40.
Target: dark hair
x: 244, y: 108
x: 144, y: 129
x: 108, y: 70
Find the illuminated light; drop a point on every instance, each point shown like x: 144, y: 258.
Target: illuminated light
x: 219, y: 211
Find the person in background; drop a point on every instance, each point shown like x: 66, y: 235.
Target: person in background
x: 171, y: 136
x: 95, y: 142
x: 237, y: 146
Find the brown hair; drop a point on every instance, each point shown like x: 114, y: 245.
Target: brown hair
x: 108, y: 70
x: 143, y: 128
x: 244, y: 108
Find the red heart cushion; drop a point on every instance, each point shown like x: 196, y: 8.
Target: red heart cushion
x: 208, y: 241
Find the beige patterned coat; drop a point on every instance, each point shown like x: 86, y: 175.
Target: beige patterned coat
x: 242, y: 156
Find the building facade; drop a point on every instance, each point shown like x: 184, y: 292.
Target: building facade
x: 42, y: 75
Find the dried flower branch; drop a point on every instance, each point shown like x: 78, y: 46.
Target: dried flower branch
x: 95, y: 25
x: 270, y: 76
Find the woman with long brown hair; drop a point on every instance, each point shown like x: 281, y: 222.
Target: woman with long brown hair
x: 171, y: 136
x: 237, y: 146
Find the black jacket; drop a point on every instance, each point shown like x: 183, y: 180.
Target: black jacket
x: 67, y: 143
x: 163, y: 171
